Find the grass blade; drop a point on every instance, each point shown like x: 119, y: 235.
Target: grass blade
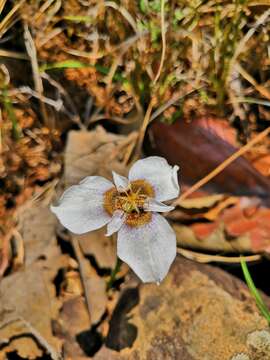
x: 75, y: 64
x: 259, y: 301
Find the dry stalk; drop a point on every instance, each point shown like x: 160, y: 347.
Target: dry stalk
x: 32, y: 53
x: 163, y: 37
x: 207, y: 258
x: 80, y: 259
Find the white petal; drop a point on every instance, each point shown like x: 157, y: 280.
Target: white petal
x: 116, y: 222
x: 149, y: 249
x: 120, y: 182
x: 159, y: 174
x: 156, y: 206
x: 81, y: 208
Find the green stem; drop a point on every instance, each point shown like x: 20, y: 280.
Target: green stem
x: 16, y: 131
x: 114, y: 273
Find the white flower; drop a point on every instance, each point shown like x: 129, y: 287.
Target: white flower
x: 146, y: 242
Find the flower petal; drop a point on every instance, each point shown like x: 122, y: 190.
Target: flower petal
x: 149, y: 249
x: 81, y: 208
x: 116, y: 222
x: 156, y: 206
x: 120, y: 181
x: 159, y: 174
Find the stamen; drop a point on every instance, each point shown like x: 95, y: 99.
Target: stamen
x: 131, y: 201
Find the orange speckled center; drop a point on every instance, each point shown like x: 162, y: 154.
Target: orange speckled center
x: 131, y: 201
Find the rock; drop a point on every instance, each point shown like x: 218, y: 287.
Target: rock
x: 259, y: 345
x: 198, y: 313
x: 241, y: 357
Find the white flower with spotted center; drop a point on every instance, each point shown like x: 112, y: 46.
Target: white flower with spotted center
x: 146, y: 242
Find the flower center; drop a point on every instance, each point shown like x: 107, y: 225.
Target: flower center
x: 131, y: 201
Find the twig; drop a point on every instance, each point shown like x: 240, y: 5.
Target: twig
x: 32, y: 53
x: 116, y: 119
x: 176, y: 97
x: 80, y: 259
x: 20, y: 253
x: 109, y: 78
x: 10, y: 18
x: 143, y: 128
x: 123, y: 12
x: 73, y: 115
x: 57, y: 104
x: 5, y: 253
x: 2, y: 4
x: 49, y: 36
x: 49, y: 9
x: 13, y: 54
x: 261, y: 89
x: 129, y: 41
x: 163, y: 36
x: 206, y: 258
x: 241, y: 45
x: 223, y: 165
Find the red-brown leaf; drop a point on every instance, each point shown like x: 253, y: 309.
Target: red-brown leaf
x: 198, y: 148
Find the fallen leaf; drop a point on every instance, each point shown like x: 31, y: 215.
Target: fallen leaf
x: 210, y: 237
x: 25, y: 295
x: 73, y: 320
x: 202, y: 153
x: 236, y: 229
x: 213, y: 213
x: 102, y: 247
x: 94, y: 286
x: 94, y: 152
x: 26, y: 347
x: 201, y: 202
x: 37, y: 226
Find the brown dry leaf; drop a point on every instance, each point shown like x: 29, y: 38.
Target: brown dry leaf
x: 236, y: 228
x: 212, y: 214
x: 96, y: 287
x: 201, y: 206
x: 260, y: 158
x: 37, y: 227
x: 72, y: 321
x: 94, y: 152
x: 101, y: 246
x: 95, y: 291
x: 25, y: 346
x: 72, y: 284
x: 201, y: 202
x: 74, y: 316
x: 210, y: 237
x: 252, y: 221
x: 205, y: 150
x: 25, y: 295
x: 50, y: 269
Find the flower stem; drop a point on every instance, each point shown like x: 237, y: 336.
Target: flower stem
x: 114, y: 273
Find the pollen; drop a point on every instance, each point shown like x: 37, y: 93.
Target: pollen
x: 131, y: 201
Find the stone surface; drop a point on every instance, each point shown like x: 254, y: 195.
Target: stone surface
x: 198, y: 313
